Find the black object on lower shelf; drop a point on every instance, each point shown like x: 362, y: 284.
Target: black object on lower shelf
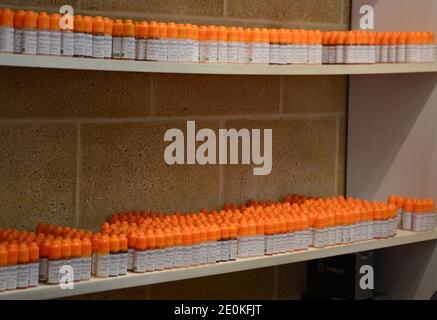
x: 346, y: 277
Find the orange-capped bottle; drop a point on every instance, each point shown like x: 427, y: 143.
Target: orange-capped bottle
x: 178, y: 254
x: 55, y: 34
x: 88, y: 39
x: 123, y: 255
x: 222, y: 44
x: 141, y: 39
x: 132, y: 239
x: 128, y: 42
x: 212, y: 45
x: 109, y: 26
x: 117, y: 37
x: 7, y: 31
x: 18, y: 31
x: 12, y: 272
x: 114, y: 263
x: 23, y: 266
x: 103, y: 257
x: 99, y: 39
x: 67, y: 36
x: 86, y: 259
x: 79, y: 36
x: 140, y: 257
x: 76, y: 259
x: 30, y: 34
x: 3, y: 267
x: 54, y: 263
x: 169, y: 249
x: 33, y: 264
x: 151, y: 251
x: 43, y: 261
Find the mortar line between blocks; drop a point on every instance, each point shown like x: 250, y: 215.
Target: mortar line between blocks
x: 225, y: 8
x: 267, y: 117
x: 78, y: 173
x: 221, y: 195
x: 337, y: 158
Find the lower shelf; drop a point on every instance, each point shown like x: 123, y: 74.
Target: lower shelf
x: 136, y: 280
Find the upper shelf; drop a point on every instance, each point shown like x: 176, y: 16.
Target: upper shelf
x: 53, y: 62
x: 135, y: 280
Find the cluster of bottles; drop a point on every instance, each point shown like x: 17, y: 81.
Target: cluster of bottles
x: 362, y: 47
x: 98, y: 37
x: 146, y: 241
x: 414, y: 214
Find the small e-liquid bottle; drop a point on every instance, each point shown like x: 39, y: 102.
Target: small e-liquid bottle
x: 95, y: 249
x: 203, y: 245
x: 76, y: 259
x: 43, y: 261
x: 140, y: 257
x: 109, y: 24
x: 12, y: 272
x: 55, y: 35
x: 123, y: 255
x: 243, y: 57
x: 141, y: 40
x: 88, y: 48
x: 117, y: 39
x: 79, y: 36
x: 401, y: 48
x: 233, y: 243
x: 332, y: 50
x: 128, y: 42
x: 169, y: 250
x: 151, y: 252
x: 384, y: 47
x: 33, y: 264
x: 99, y: 39
x: 67, y: 39
x: 393, y: 47
x: 411, y: 48
x: 178, y: 256
x: 181, y: 42
x: 338, y: 228
x: 291, y: 46
x: 173, y: 42
x: 43, y: 25
x: 203, y: 44
x: 350, y: 48
x: 3, y: 267
x: 339, y: 47
x: 372, y: 48
x: 195, y: 41
x: 30, y: 35
x: 66, y: 252
x: 114, y: 263
x: 162, y: 41
x: 303, y: 47
x: 224, y: 243
x: 86, y: 259
x: 325, y: 46
x: 187, y: 248
x: 222, y: 44
x: 255, y: 46
x: 153, y: 42
x: 188, y: 56
x: 132, y: 240
x: 18, y: 31
x: 243, y: 240
x: 407, y: 212
x: 274, y: 46
x: 54, y: 263
x: 103, y: 257
x: 7, y: 31
x: 23, y: 266
x: 212, y: 49
x: 160, y: 250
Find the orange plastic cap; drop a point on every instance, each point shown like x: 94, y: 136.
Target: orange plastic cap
x: 212, y: 33
x: 86, y: 249
x: 19, y: 19
x: 76, y: 248
x: 118, y: 28
x: 3, y: 256
x: 129, y: 28
x: 98, y: 26
x: 232, y: 34
x: 30, y: 20
x: 104, y: 245
x: 55, y: 250
x: 7, y: 18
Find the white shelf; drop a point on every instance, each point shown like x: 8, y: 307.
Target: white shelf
x: 135, y: 280
x: 15, y: 60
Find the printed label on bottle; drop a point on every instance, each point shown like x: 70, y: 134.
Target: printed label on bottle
x: 411, y: 52
x: 76, y: 264
x: 211, y: 252
x: 54, y: 271
x: 128, y: 48
x: 153, y: 53
x: 99, y: 46
x: 339, y: 55
x: 103, y: 264
x: 3, y: 278
x: 233, y: 249
x: 173, y: 50
x: 406, y: 221
x: 141, y: 49
x: 23, y: 276
x: 163, y: 50
x: 188, y: 52
x: 187, y: 259
x: 6, y: 39
x: 123, y: 260
x: 222, y: 48
x: 178, y: 257
x: 212, y: 51
x: 203, y: 51
x: 160, y: 259
x: 233, y: 48
x: 108, y: 46
x: 79, y: 44
x: 18, y: 41
x: 67, y: 44
x: 140, y: 261
x: 12, y: 274
x: 43, y: 42
x: 33, y: 274
x: 130, y: 260
x: 259, y: 53
x: 85, y: 268
x: 114, y: 266
x: 392, y: 54
x: 169, y: 258
x: 88, y: 47
x: 195, y: 51
x: 55, y: 43
x: 30, y: 42
x: 43, y: 265
x: 116, y: 47
x: 196, y: 255
x: 150, y: 260
x: 274, y: 54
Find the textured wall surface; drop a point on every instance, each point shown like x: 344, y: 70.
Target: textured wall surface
x: 77, y: 146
